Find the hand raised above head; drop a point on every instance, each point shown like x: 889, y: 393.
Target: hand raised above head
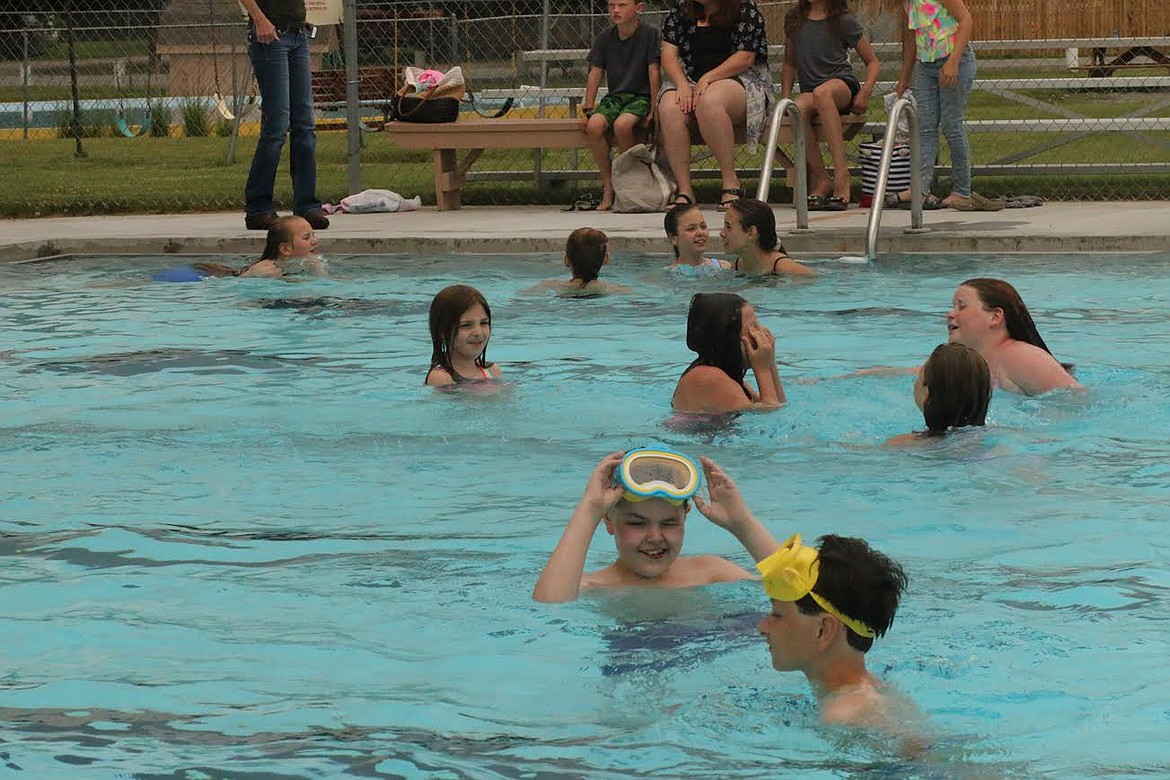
x: 602, y: 490
x: 726, y: 507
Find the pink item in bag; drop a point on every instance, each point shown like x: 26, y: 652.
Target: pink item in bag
x: 429, y: 78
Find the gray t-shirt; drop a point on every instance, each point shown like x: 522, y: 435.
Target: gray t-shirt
x: 820, y: 55
x: 627, y: 63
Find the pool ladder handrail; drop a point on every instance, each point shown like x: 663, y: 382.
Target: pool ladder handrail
x: 879, y: 191
x: 800, y: 192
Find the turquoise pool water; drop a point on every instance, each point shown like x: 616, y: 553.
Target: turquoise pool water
x: 241, y: 539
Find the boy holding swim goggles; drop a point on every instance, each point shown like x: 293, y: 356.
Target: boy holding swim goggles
x: 643, y: 498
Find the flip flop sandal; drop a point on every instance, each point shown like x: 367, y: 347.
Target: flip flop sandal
x: 587, y: 202
x: 930, y: 203
x: 679, y: 199
x: 892, y: 201
x: 836, y: 203
x: 725, y: 203
x: 817, y: 202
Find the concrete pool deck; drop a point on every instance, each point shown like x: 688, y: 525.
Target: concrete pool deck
x: 1053, y: 227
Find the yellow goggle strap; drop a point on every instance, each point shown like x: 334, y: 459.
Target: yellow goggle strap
x: 791, y: 573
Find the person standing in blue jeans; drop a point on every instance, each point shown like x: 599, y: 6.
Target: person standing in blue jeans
x: 278, y: 45
x: 936, y: 47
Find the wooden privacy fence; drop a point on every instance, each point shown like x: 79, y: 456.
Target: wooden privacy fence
x: 1040, y: 19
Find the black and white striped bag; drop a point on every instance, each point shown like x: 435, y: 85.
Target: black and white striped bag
x: 870, y: 155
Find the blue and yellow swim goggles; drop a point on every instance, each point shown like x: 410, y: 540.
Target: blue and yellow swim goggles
x: 648, y: 473
x: 791, y: 573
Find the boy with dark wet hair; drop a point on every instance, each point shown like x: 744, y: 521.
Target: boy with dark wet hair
x: 828, y: 606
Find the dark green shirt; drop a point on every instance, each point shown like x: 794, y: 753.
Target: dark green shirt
x: 283, y: 13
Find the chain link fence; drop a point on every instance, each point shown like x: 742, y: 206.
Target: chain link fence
x: 150, y: 105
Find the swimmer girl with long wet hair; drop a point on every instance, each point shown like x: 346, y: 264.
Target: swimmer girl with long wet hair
x: 289, y: 251
x: 461, y: 326
x: 586, y: 251
x: 990, y: 316
x: 749, y: 230
x: 687, y: 232
x: 953, y: 390
x: 723, y: 331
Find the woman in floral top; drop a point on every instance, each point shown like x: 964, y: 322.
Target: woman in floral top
x: 715, y: 59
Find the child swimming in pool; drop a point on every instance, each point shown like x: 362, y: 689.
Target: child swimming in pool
x: 586, y: 251
x: 749, y: 231
x: 687, y: 232
x: 990, y: 316
x: 727, y: 338
x: 290, y: 250
x: 461, y: 326
x: 642, y: 496
x: 828, y: 606
x: 953, y: 390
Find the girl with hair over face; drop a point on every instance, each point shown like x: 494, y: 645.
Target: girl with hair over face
x: 687, y: 232
x: 461, y: 326
x: 749, y: 230
x: 723, y: 331
x: 953, y: 390
x: 989, y: 316
x: 715, y: 63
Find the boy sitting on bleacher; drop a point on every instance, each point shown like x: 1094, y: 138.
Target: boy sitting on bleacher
x: 627, y: 55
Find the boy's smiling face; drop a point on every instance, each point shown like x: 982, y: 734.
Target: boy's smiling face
x: 648, y: 535
x: 623, y: 12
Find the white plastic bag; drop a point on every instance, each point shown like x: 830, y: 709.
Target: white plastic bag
x: 902, y: 132
x: 368, y: 201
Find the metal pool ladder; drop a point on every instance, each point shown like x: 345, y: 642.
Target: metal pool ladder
x: 879, y: 190
x: 800, y: 192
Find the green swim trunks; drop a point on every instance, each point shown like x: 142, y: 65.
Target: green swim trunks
x: 613, y: 106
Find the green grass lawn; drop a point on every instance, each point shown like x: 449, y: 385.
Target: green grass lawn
x: 160, y: 175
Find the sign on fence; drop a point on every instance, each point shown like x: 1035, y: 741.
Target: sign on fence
x: 317, y: 12
x: 322, y: 12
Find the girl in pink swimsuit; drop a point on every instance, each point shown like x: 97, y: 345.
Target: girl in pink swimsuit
x: 461, y: 326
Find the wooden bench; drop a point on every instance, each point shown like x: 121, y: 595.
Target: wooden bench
x: 446, y: 140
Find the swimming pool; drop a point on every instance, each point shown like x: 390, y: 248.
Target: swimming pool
x: 242, y: 539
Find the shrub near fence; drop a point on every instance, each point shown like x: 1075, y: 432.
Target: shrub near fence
x: 181, y: 65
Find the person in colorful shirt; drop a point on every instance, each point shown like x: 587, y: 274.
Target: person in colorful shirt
x: 936, y: 48
x: 715, y: 60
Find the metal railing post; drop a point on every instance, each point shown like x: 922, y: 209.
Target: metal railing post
x: 879, y: 190
x: 25, y: 73
x: 800, y: 193
x: 352, y: 109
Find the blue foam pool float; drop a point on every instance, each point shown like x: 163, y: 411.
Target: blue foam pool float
x: 180, y: 273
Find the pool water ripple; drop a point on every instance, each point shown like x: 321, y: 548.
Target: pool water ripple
x: 241, y: 537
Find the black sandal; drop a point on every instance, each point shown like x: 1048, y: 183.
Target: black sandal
x: 726, y: 203
x: 587, y: 202
x: 679, y: 199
